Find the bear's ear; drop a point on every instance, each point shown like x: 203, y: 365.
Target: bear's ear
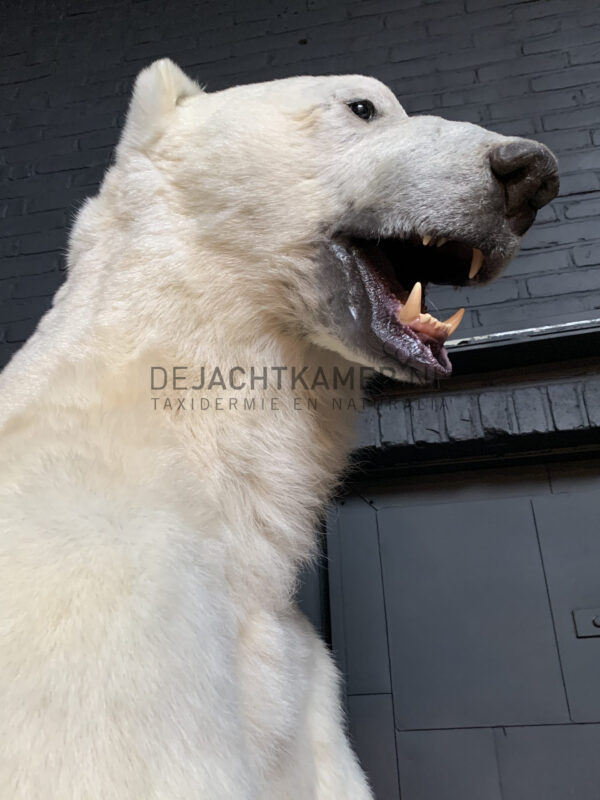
x: 157, y: 91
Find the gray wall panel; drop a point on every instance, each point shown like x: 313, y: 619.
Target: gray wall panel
x: 471, y: 636
x: 569, y: 529
x: 449, y: 765
x: 372, y: 733
x: 359, y: 600
x: 548, y: 763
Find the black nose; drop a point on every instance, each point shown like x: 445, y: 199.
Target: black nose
x: 529, y: 174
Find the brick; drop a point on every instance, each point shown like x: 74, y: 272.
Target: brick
x: 580, y: 161
x: 513, y: 127
x: 437, y: 82
x: 572, y: 119
x: 374, y: 7
x: 475, y: 57
x: 7, y: 288
x: 565, y: 40
x: 570, y: 76
x: 13, y: 207
x: 581, y: 281
x: 568, y: 413
x: 542, y: 8
x: 429, y: 48
x: 584, y: 208
x: 38, y: 285
x: 497, y: 416
x: 394, y: 422
x: 544, y: 311
x: 518, y: 33
x: 483, y: 94
x: 484, y: 5
x: 505, y: 288
x: 591, y: 94
x: 530, y: 410
x: 7, y: 351
x: 540, y: 262
x: 103, y: 138
x: 28, y: 265
x: 535, y: 103
x: 44, y: 242
x: 524, y: 65
x: 458, y: 23
x: 563, y: 141
x: 590, y: 17
x: 427, y: 419
x: 586, y: 55
x: 416, y: 104
x: 578, y: 183
x: 553, y: 235
x: 546, y: 214
x: 462, y: 418
x: 591, y: 397
x: 367, y: 428
x: 20, y: 331
x: 67, y: 199
x: 587, y: 255
x: 20, y: 310
x: 34, y: 223
x: 474, y: 113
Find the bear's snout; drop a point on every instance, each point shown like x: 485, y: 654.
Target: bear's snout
x: 528, y: 172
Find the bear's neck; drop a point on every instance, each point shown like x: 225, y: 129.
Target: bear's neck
x: 269, y: 453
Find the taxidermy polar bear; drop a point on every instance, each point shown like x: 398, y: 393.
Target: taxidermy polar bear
x: 151, y: 648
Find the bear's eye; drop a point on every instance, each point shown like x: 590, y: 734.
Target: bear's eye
x: 363, y: 109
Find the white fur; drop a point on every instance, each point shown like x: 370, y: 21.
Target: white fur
x: 151, y: 649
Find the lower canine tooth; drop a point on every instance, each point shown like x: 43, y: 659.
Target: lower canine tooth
x: 427, y: 239
x: 454, y: 321
x: 476, y: 262
x: 412, y: 308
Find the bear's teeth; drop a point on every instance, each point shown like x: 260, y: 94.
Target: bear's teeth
x: 412, y: 308
x: 441, y: 241
x: 428, y: 326
x: 427, y: 239
x: 476, y: 263
x: 454, y: 321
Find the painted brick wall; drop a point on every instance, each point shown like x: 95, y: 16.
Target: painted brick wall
x: 529, y: 68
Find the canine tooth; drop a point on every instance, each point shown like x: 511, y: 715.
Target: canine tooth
x: 441, y: 241
x: 476, y: 262
x: 454, y: 321
x: 412, y: 308
x: 427, y: 239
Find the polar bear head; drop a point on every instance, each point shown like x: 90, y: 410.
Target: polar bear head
x: 330, y: 208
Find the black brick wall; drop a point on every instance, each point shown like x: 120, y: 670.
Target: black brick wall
x: 529, y: 68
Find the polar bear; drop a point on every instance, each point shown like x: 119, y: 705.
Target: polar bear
x: 151, y: 648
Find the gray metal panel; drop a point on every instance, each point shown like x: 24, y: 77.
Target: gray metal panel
x: 449, y: 765
x: 310, y: 596
x: 336, y: 589
x: 569, y: 532
x: 357, y: 598
x: 470, y: 629
x: 461, y: 487
x: 548, y: 763
x: 372, y: 733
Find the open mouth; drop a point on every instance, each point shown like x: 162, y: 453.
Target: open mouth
x: 394, y: 273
